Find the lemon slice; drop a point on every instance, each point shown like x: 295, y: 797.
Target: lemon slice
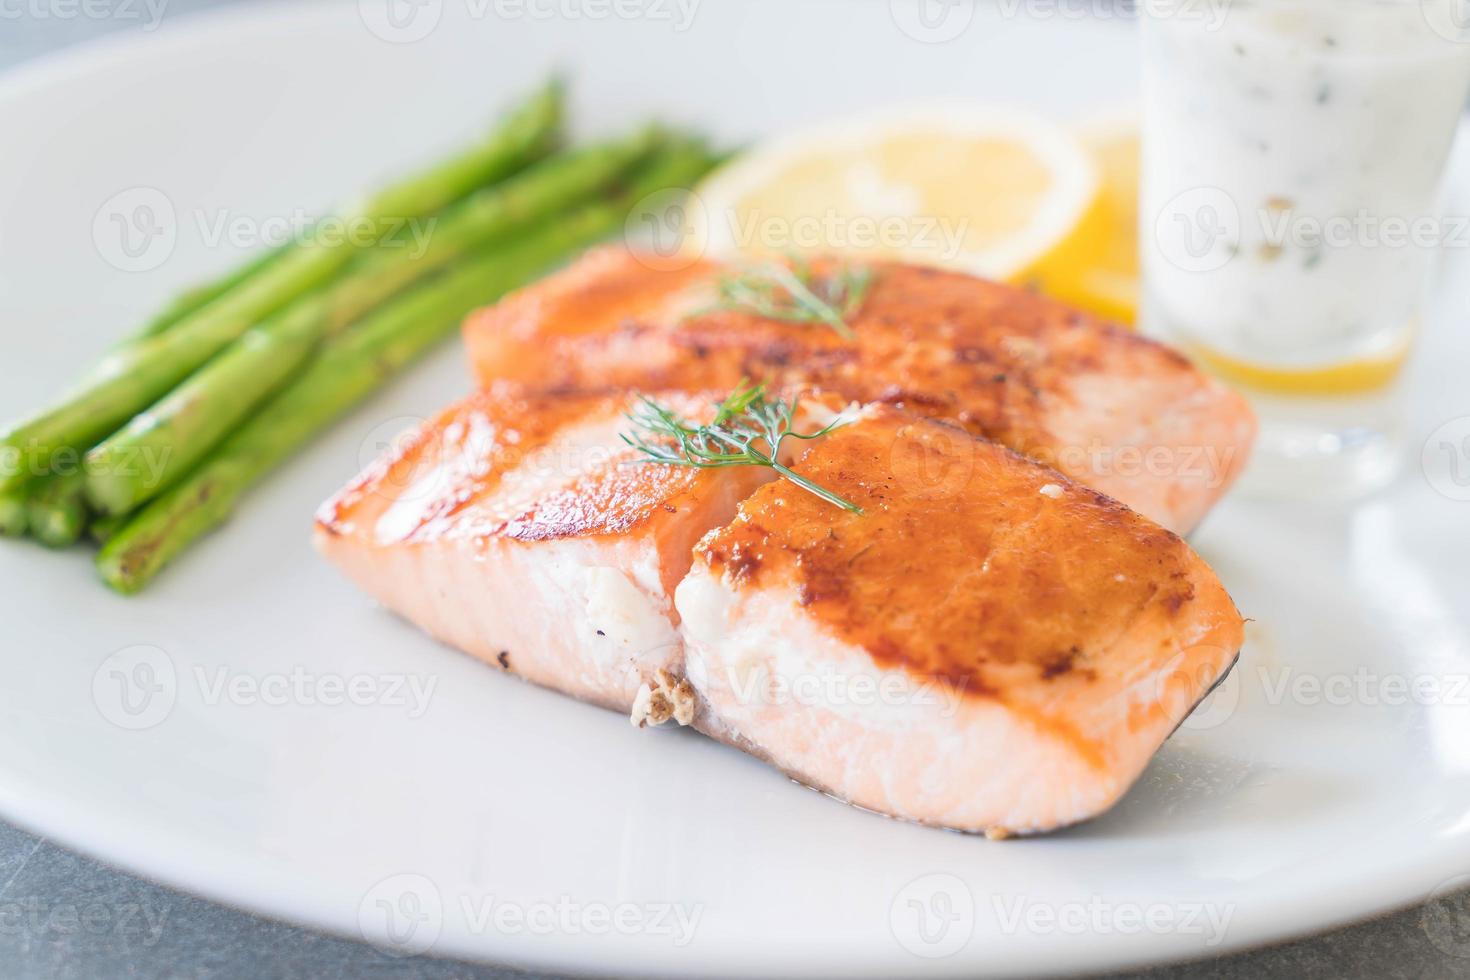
x: 1355, y: 377
x: 1096, y: 267
x: 989, y: 192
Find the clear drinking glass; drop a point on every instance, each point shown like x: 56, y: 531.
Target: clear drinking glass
x: 1293, y: 152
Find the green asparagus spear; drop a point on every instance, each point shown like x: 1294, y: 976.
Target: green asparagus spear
x: 104, y: 526
x: 352, y: 367
x: 56, y: 513
x: 131, y: 379
x: 194, y: 299
x: 161, y: 445
x: 14, y: 516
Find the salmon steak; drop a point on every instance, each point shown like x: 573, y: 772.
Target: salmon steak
x: 987, y: 646
x: 513, y: 529
x: 1117, y: 412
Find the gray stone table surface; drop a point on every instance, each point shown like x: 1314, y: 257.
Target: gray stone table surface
x: 66, y: 916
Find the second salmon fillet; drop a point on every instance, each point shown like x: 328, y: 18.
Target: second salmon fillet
x: 1113, y: 410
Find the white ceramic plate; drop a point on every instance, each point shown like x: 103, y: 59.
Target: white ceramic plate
x: 190, y: 734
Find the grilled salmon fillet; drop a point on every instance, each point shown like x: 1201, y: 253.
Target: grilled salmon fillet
x: 989, y: 647
x: 513, y: 529
x: 1117, y: 412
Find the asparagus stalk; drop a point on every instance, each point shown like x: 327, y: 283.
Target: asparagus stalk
x: 132, y: 378
x: 354, y: 365
x: 56, y: 512
x: 197, y: 297
x: 14, y: 513
x: 104, y: 526
x: 161, y: 445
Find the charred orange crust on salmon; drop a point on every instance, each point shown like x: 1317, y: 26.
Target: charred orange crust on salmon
x: 960, y: 567
x: 1061, y: 630
x: 1114, y: 410
x: 449, y: 469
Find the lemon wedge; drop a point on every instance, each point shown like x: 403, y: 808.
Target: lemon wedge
x: 1096, y: 267
x: 990, y: 192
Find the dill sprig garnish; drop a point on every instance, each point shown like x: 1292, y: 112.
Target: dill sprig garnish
x: 796, y: 295
x: 747, y: 430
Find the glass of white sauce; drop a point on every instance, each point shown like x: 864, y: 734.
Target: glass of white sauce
x: 1293, y: 152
